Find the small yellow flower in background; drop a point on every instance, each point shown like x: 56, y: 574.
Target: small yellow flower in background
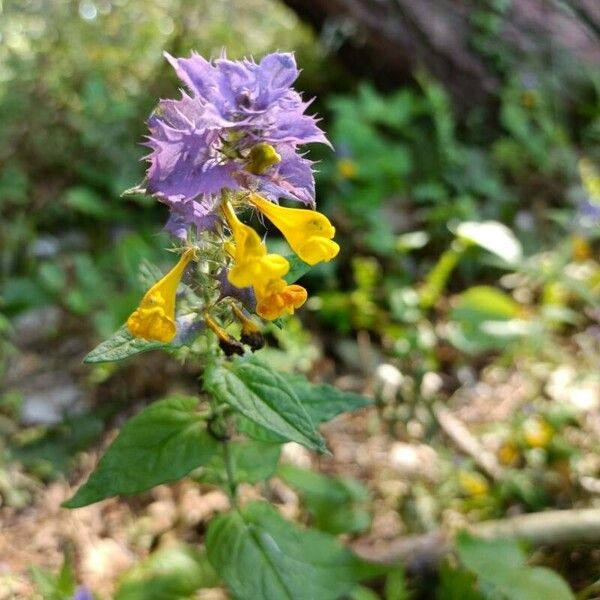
x: 529, y: 98
x: 580, y: 248
x: 347, y: 168
x: 590, y: 177
x: 261, y: 158
x: 309, y: 233
x: 154, y: 318
x: 278, y: 298
x: 508, y: 453
x: 253, y: 266
x: 537, y: 432
x: 473, y: 484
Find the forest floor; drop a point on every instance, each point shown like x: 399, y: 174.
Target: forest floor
x: 443, y: 466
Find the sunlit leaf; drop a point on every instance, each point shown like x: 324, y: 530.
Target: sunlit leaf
x: 494, y: 237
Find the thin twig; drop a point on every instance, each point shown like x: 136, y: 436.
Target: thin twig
x: 466, y: 441
x: 554, y: 527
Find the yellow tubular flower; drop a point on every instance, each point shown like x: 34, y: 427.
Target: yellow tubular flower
x: 309, y: 233
x: 154, y: 318
x: 277, y: 298
x: 253, y: 266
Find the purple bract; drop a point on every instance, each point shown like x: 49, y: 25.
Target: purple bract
x: 201, y: 143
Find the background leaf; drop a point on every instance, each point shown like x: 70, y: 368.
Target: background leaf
x: 298, y: 268
x: 500, y: 563
x: 173, y: 573
x: 337, y: 505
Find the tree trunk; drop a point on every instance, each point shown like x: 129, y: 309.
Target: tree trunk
x: 460, y: 42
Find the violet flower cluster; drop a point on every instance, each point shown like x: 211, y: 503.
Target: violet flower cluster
x: 211, y: 138
x: 229, y: 145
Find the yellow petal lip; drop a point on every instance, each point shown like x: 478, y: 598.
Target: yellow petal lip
x: 252, y: 264
x: 309, y: 233
x: 277, y: 298
x: 154, y: 318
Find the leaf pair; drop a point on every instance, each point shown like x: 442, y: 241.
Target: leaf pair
x: 169, y: 439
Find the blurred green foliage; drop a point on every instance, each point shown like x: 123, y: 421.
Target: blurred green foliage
x: 77, y: 79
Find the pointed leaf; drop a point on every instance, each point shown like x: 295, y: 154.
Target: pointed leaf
x: 264, y: 397
x: 324, y: 402
x: 162, y: 443
x: 119, y: 346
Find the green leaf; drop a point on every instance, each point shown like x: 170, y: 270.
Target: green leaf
x: 119, y: 346
x: 395, y: 585
x: 263, y: 396
x: 501, y: 564
x: 488, y: 318
x: 485, y: 302
x: 362, y: 593
x: 173, y: 573
x: 298, y: 268
x: 252, y: 462
x: 44, y: 582
x: 162, y: 443
x: 87, y: 202
x: 324, y: 402
x: 260, y: 555
x: 258, y: 433
x: 533, y: 583
x: 55, y: 587
x: 337, y: 505
x: 484, y: 556
x: 456, y: 584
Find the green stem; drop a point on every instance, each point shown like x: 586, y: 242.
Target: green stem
x: 229, y: 470
x: 436, y: 279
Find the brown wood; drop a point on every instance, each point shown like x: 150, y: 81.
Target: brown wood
x: 387, y: 40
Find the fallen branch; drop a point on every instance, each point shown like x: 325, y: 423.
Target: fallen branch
x: 554, y: 527
x: 466, y: 441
